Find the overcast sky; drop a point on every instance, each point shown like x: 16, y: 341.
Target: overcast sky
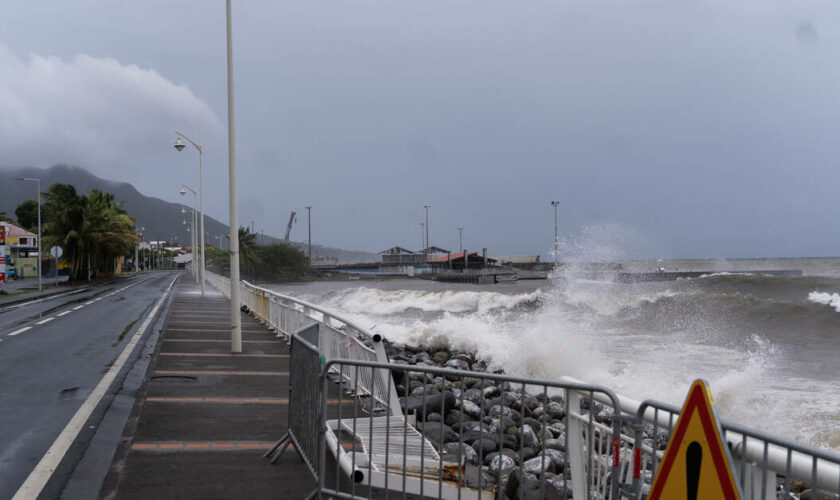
x: 664, y: 128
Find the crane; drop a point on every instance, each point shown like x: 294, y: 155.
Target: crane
x: 292, y: 220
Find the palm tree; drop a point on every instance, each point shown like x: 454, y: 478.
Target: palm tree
x: 6, y: 218
x: 247, y: 250
x: 93, y: 230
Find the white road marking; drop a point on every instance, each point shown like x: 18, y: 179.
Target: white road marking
x: 44, y: 321
x: 64, y: 313
x: 20, y: 331
x: 78, y: 307
x: 29, y: 303
x: 42, y: 472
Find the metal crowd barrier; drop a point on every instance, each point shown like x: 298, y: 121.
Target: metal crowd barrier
x: 378, y: 451
x: 304, y: 399
x: 765, y: 466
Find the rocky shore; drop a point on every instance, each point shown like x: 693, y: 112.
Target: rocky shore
x: 509, y: 439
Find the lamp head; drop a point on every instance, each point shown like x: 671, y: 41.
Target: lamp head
x: 179, y: 145
x: 183, y: 191
x: 183, y: 210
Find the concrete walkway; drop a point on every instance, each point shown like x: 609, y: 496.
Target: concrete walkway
x: 205, y: 416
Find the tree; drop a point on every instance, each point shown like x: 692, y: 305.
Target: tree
x: 93, y: 230
x: 6, y: 218
x: 27, y: 214
x: 247, y: 250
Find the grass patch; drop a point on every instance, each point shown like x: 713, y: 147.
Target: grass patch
x: 125, y: 331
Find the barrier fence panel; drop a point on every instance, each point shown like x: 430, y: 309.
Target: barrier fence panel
x: 304, y: 400
x: 766, y: 467
x: 465, y: 434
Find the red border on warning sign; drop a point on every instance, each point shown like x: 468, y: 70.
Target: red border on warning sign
x: 696, y: 402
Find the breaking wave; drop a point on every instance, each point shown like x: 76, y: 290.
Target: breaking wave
x: 829, y: 299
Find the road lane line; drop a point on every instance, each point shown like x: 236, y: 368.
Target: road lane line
x: 88, y: 303
x: 20, y: 331
x: 64, y: 313
x: 42, y: 472
x: 78, y: 307
x: 44, y: 321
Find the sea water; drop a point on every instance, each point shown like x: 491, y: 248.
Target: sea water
x: 769, y: 346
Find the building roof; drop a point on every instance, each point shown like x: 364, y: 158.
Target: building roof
x: 397, y: 251
x: 17, y: 232
x: 433, y: 249
x: 460, y: 255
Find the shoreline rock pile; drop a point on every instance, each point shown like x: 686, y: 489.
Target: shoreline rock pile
x: 508, y: 439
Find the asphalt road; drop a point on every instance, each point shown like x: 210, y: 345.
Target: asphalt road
x: 53, y: 353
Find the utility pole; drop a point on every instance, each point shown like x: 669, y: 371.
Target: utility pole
x: 461, y: 239
x: 555, y: 204
x: 423, y: 236
x: 427, y: 207
x: 309, y: 237
x: 235, y: 319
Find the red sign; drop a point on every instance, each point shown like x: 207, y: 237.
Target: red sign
x: 2, y: 235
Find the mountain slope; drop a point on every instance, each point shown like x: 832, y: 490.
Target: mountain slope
x: 152, y: 213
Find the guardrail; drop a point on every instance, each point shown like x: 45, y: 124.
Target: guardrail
x: 766, y: 465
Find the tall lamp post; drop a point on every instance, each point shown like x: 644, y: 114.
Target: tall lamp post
x: 179, y: 145
x: 38, y: 181
x: 427, y: 207
x: 193, y: 236
x: 461, y: 239
x: 235, y: 320
x: 184, y: 187
x: 423, y: 236
x: 555, y: 204
x: 309, y: 233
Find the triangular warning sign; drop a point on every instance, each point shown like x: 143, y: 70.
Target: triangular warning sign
x: 696, y: 464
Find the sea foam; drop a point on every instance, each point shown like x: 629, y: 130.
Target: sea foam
x: 829, y: 299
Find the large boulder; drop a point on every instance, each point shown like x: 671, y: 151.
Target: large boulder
x: 433, y: 404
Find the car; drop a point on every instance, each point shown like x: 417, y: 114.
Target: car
x: 10, y: 272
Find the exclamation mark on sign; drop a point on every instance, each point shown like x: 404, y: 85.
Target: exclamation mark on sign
x: 693, y: 460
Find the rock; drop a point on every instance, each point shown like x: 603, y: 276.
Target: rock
x: 538, y: 466
x: 454, y: 418
x: 528, y: 437
x: 478, y: 477
x: 433, y: 417
x: 555, y: 410
x: 484, y: 446
x: 805, y: 495
x: 557, y: 429
x: 457, y: 364
x: 527, y: 453
x: 505, y: 440
x: 506, y: 452
x: 534, y: 425
x: 428, y: 390
x: 505, y: 425
x: 434, y: 430
x: 467, y: 453
x: 471, y: 409
x: 440, y: 357
x: 474, y: 396
x: 558, y: 444
x: 501, y: 464
x: 498, y: 410
x: 433, y: 404
x: 558, y: 458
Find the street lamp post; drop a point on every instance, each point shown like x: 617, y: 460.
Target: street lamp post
x: 555, y: 204
x: 235, y: 320
x: 180, y: 147
x: 38, y: 181
x: 423, y: 236
x: 309, y: 237
x: 427, y: 207
x: 195, y: 236
x: 461, y: 239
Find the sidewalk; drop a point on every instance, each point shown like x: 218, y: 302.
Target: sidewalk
x: 205, y: 417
